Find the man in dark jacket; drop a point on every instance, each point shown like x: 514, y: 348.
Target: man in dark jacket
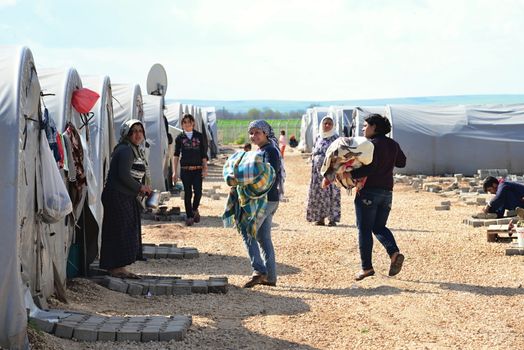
x: 508, y: 195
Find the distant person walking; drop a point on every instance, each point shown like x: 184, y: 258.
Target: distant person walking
x: 282, y: 141
x: 322, y: 203
x: 373, y: 201
x: 192, y: 151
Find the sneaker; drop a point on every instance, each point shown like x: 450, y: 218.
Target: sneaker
x: 196, y: 217
x: 189, y: 222
x: 332, y: 223
x: 257, y: 279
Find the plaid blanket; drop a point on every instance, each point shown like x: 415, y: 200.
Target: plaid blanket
x: 250, y: 179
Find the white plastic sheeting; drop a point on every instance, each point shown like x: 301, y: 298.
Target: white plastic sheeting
x: 102, y: 139
x: 127, y: 104
x: 306, y: 143
x: 342, y: 119
x: 210, y: 118
x: 61, y: 83
x: 157, y: 138
x: 19, y: 101
x: 173, y: 113
x: 317, y: 113
x: 459, y: 139
x: 360, y: 113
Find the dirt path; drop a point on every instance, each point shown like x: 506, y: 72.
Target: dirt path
x: 455, y: 291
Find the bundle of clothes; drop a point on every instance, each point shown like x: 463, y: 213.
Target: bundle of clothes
x: 342, y: 156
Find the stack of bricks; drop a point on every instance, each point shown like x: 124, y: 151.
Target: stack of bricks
x: 91, y: 328
x: 162, y: 285
x: 168, y: 251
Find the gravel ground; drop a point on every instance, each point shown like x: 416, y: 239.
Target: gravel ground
x: 455, y: 291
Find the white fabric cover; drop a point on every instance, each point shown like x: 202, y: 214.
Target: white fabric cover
x: 157, y: 139
x: 173, y: 113
x: 210, y: 117
x: 306, y: 143
x: 127, y: 104
x: 459, y: 139
x: 360, y: 113
x: 102, y: 140
x: 19, y: 96
x: 62, y: 82
x: 317, y: 113
x: 343, y: 117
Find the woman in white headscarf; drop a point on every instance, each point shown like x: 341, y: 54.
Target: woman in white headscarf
x: 322, y: 203
x: 121, y: 227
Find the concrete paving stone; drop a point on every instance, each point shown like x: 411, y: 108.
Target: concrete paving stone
x: 85, y: 334
x: 149, y: 334
x: 95, y: 319
x: 74, y: 317
x: 43, y: 325
x: 117, y: 284
x: 503, y: 221
x: 217, y: 287
x: 219, y: 278
x: 63, y: 330
x: 175, y: 255
x: 448, y: 203
x: 189, y: 254
x: 442, y: 207
x: 181, y: 289
x: 106, y: 335
x: 199, y: 287
x: 135, y: 289
x: 161, y: 289
x: 161, y: 252
x: 172, y: 245
x: 148, y: 245
x: 176, y: 334
x: 129, y: 335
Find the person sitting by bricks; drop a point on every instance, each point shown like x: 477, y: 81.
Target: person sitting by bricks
x: 508, y: 195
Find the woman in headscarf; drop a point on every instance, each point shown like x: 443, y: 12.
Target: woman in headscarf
x: 322, y: 203
x: 121, y: 226
x: 260, y: 248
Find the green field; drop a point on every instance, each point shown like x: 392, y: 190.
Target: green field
x: 235, y: 131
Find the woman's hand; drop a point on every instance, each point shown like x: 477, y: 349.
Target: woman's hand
x: 204, y: 171
x: 174, y: 178
x: 145, y: 189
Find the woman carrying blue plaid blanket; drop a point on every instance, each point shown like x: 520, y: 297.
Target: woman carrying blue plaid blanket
x: 258, y: 243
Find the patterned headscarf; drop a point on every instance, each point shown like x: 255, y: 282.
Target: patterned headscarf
x: 138, y: 151
x: 268, y: 130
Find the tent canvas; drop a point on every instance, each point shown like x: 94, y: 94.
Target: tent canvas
x: 459, y: 139
x: 102, y: 140
x: 305, y: 143
x: 61, y: 83
x: 127, y: 105
x: 157, y: 138
x: 359, y: 114
x: 210, y: 116
x: 19, y: 98
x: 173, y: 112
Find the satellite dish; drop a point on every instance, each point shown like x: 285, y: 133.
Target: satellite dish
x: 157, y: 80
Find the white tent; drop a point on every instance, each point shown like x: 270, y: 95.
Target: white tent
x: 19, y: 115
x: 459, y: 139
x: 127, y: 105
x: 173, y: 113
x: 210, y: 117
x: 102, y: 140
x: 305, y: 143
x: 157, y: 138
x: 359, y: 114
x: 343, y: 117
x: 61, y: 83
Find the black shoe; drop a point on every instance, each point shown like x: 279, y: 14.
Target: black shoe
x: 196, y: 216
x: 320, y: 223
x: 258, y: 279
x: 396, y: 265
x: 332, y: 223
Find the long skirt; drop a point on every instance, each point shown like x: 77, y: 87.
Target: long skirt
x: 121, y: 230
x: 322, y: 203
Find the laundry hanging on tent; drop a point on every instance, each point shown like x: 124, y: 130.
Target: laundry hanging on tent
x: 76, y: 173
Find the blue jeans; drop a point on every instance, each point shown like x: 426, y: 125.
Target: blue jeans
x: 261, y: 252
x: 372, y: 207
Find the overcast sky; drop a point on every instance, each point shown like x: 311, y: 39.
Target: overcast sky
x: 281, y: 49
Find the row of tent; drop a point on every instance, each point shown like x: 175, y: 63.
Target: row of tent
x: 34, y: 254
x: 436, y: 139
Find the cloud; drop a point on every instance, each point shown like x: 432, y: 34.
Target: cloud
x: 7, y: 3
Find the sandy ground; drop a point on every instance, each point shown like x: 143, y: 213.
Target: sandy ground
x: 456, y: 291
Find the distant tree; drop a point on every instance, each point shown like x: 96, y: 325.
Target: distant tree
x: 253, y: 113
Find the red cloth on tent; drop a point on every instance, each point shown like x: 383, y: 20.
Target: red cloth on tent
x: 84, y: 99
